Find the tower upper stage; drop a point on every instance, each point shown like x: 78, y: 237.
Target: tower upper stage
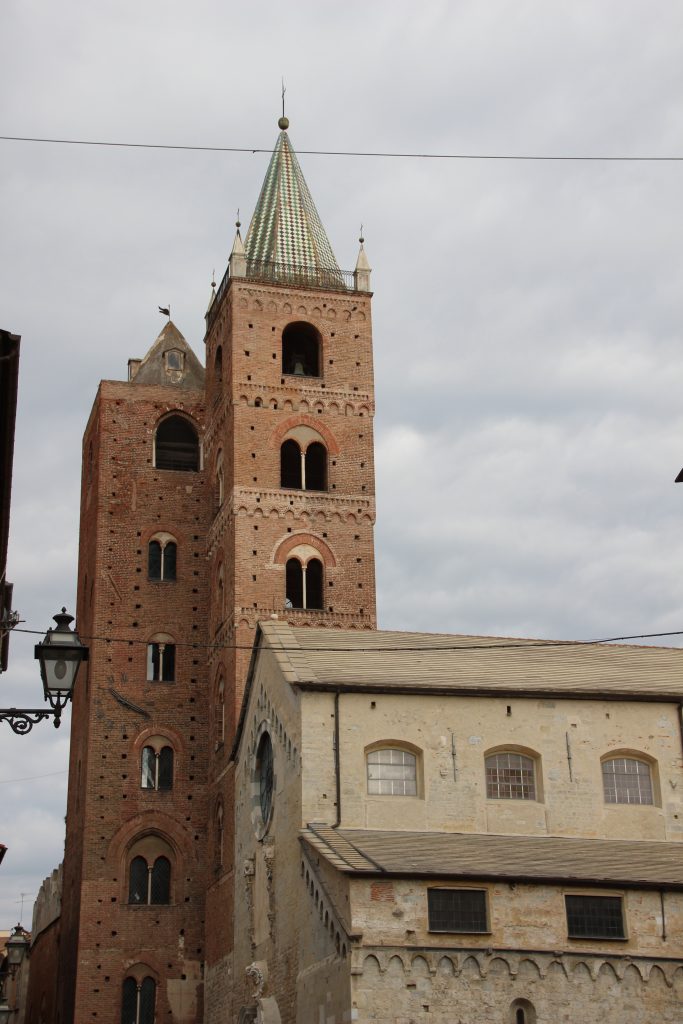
x: 286, y: 242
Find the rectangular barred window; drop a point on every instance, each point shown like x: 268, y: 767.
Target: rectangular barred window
x: 595, y: 917
x: 457, y: 910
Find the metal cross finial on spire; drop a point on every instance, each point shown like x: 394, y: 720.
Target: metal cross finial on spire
x: 238, y: 223
x: 283, y: 123
x: 213, y: 278
x: 361, y: 239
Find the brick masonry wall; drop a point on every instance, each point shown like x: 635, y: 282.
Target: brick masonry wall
x: 125, y: 500
x: 251, y: 408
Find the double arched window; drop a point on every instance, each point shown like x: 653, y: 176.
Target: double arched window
x: 304, y: 583
x: 301, y: 350
x: 176, y: 445
x: 149, y: 881
x: 161, y: 659
x: 303, y: 468
x: 138, y: 998
x: 157, y: 766
x: 162, y: 557
x: 627, y: 780
x: 510, y: 776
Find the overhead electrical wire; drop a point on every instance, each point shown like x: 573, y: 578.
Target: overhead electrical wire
x: 565, y: 157
x: 421, y: 649
x: 32, y: 778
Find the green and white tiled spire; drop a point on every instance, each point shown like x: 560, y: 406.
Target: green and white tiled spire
x: 286, y: 228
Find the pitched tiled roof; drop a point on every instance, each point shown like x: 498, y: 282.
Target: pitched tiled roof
x: 286, y: 228
x: 511, y: 858
x: 429, y: 662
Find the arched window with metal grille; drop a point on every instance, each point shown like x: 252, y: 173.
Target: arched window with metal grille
x: 627, y: 780
x: 510, y: 776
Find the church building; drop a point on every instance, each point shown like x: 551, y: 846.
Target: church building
x: 278, y: 813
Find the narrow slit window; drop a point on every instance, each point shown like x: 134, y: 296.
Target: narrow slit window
x: 160, y: 881
x: 290, y: 465
x: 316, y: 467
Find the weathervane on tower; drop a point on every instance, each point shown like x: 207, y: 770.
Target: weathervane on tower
x: 283, y: 122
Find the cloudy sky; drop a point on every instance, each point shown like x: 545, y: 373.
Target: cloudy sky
x: 527, y: 315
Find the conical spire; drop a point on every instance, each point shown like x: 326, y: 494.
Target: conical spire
x: 286, y: 228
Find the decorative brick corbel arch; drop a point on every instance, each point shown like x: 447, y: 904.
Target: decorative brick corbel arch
x: 294, y: 540
x: 304, y: 420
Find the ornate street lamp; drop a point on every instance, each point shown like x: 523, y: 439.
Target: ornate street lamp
x: 60, y: 655
x: 16, y: 947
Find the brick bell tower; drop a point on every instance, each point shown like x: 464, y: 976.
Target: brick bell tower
x: 209, y: 501
x: 289, y: 452
x: 132, y: 937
